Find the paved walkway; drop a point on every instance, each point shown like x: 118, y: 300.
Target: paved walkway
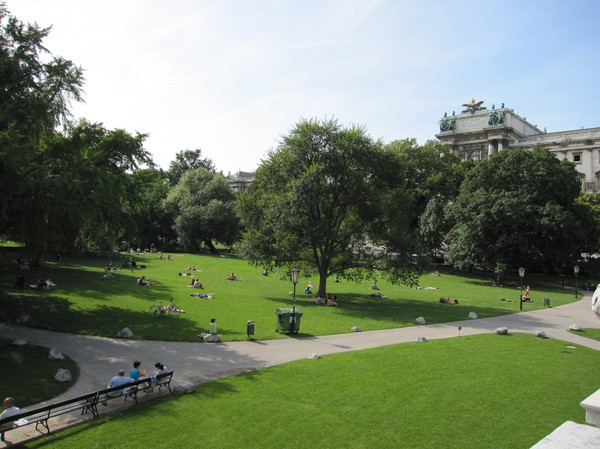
x: 101, y: 358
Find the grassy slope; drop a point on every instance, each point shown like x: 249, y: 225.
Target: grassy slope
x: 85, y: 302
x: 475, y: 392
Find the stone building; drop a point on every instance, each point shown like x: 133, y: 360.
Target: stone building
x: 477, y: 132
x: 240, y: 181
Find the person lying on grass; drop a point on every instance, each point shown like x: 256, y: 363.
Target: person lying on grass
x: 448, y: 301
x: 378, y: 295
x: 203, y: 295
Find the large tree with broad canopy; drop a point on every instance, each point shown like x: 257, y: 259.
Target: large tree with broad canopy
x: 517, y: 208
x: 327, y: 201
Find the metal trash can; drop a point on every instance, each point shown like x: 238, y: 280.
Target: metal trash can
x: 287, y: 322
x: 250, y: 328
x: 547, y: 302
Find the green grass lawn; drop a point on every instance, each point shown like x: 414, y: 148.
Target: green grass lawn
x: 485, y: 391
x: 29, y: 374
x: 87, y: 303
x: 594, y: 334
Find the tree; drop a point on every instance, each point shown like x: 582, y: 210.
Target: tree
x: 34, y: 100
x: 154, y: 224
x: 323, y: 202
x: 202, y: 204
x: 517, y: 208
x: 432, y: 173
x: 79, y: 190
x: 188, y: 160
x: 590, y: 202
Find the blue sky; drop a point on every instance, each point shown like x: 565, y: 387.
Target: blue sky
x: 230, y: 77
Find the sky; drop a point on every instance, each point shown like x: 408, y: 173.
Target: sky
x: 231, y: 77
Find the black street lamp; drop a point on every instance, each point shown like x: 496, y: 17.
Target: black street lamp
x: 576, y: 271
x: 521, y: 275
x: 294, y: 272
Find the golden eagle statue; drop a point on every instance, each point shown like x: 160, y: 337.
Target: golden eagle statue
x: 473, y: 106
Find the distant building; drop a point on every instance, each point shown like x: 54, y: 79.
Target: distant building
x: 240, y: 181
x: 478, y: 132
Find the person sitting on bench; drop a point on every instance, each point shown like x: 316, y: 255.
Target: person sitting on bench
x: 117, y: 381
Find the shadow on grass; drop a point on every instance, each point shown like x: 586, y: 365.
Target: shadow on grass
x: 58, y: 314
x: 401, y: 312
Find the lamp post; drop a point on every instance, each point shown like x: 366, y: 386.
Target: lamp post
x: 576, y: 271
x: 521, y: 275
x: 294, y: 272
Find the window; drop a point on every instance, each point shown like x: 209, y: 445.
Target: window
x: 577, y: 158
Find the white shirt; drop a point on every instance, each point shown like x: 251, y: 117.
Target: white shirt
x: 10, y: 411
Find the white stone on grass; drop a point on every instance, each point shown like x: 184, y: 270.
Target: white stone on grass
x: 575, y: 327
x: 473, y: 315
x: 63, y: 375
x: 422, y: 340
x: 356, y: 329
x: 55, y: 354
x: 540, y: 334
x: 501, y: 330
x: 184, y: 388
x: 125, y: 333
x: 19, y: 342
x: 420, y: 320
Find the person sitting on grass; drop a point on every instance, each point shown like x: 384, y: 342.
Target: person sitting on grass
x: 332, y: 301
x: 307, y: 290
x: 212, y: 336
x: 374, y: 286
x: 319, y: 301
x: 232, y: 277
x: 144, y: 283
x: 198, y: 284
x: 527, y: 296
x: 108, y: 272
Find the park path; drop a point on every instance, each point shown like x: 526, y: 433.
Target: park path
x: 101, y: 358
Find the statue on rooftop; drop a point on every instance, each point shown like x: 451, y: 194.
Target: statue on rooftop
x: 473, y: 106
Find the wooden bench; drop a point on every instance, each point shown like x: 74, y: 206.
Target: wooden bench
x: 40, y: 416
x: 87, y: 403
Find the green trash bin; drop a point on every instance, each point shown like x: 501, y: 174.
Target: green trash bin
x: 286, y: 322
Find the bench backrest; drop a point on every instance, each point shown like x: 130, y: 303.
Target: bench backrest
x: 92, y: 397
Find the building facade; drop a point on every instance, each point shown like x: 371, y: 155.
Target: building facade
x: 478, y: 132
x: 240, y: 181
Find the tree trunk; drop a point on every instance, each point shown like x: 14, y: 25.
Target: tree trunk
x: 322, y: 283
x: 209, y: 244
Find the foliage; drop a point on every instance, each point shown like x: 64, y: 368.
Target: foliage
x: 432, y: 174
x: 590, y: 202
x: 203, y: 208
x: 517, y: 208
x: 154, y: 224
x: 188, y: 160
x: 62, y: 190
x: 325, y: 201
x: 79, y: 189
x: 471, y: 392
x: 34, y: 99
